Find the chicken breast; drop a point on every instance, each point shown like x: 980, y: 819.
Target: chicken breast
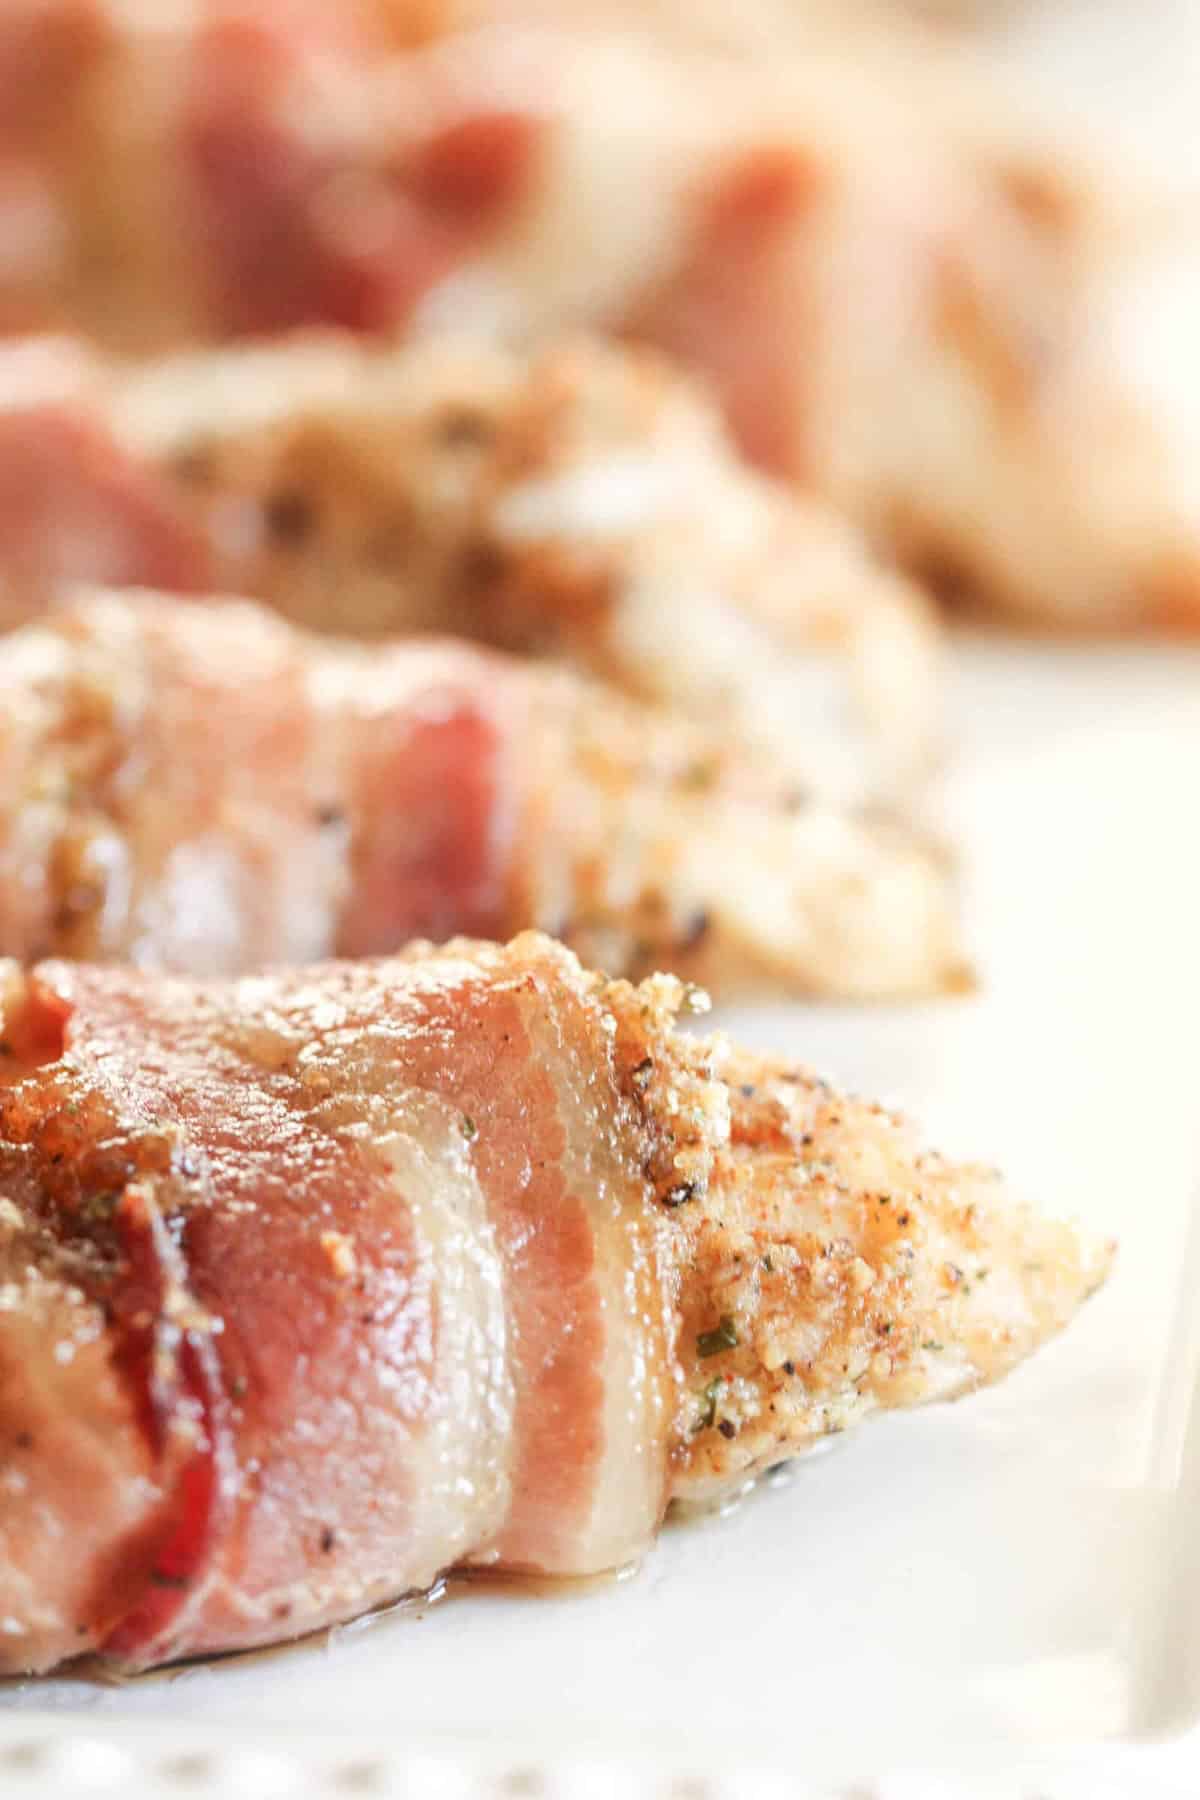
x: 910, y: 296
x: 319, y: 1283
x: 582, y: 503
x: 205, y: 789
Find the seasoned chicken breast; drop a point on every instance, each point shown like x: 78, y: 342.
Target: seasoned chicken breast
x: 582, y: 503
x: 204, y: 788
x: 321, y: 1282
x: 910, y: 295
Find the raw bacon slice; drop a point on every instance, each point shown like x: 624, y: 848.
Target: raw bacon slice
x: 582, y: 503
x: 909, y: 295
x: 205, y: 789
x: 326, y: 1281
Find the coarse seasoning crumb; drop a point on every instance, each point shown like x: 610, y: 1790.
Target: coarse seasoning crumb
x: 340, y: 1254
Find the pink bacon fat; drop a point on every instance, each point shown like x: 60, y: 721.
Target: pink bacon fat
x: 75, y: 508
x: 318, y: 1283
x: 199, y: 789
x: 368, y: 1254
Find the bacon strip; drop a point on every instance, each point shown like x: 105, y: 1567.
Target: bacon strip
x: 205, y: 789
x: 226, y: 170
x: 457, y: 1258
x: 924, y: 324
x: 72, y: 509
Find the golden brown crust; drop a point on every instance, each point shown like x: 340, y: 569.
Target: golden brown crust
x: 834, y: 1267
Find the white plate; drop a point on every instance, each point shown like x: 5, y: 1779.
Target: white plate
x: 1002, y: 1586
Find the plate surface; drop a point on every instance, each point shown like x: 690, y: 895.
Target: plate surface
x: 1005, y: 1583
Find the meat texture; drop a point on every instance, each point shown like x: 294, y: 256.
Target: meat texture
x: 582, y: 503
x: 910, y: 295
x: 317, y: 1284
x: 205, y: 789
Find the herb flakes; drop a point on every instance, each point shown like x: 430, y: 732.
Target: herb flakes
x: 723, y: 1336
x: 708, y: 1411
